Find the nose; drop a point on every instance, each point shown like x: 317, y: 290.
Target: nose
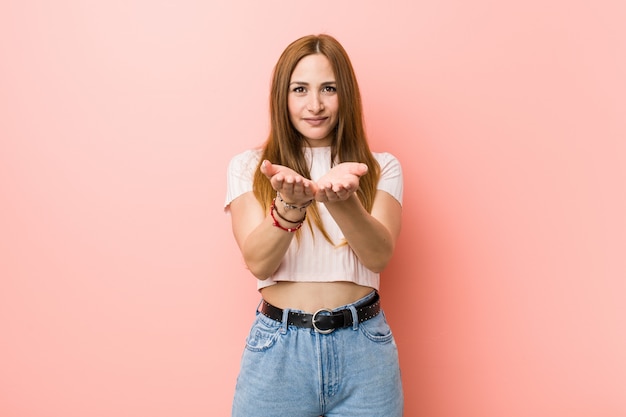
x: 315, y: 103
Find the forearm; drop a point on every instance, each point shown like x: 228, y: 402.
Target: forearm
x: 265, y: 247
x: 370, y: 240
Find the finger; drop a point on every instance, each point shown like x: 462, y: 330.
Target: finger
x: 338, y: 187
x: 277, y: 182
x: 320, y: 197
x: 298, y: 186
x: 357, y: 169
x: 331, y: 195
x: 287, y: 189
x: 267, y: 168
x: 310, y: 188
x: 362, y: 170
x: 341, y: 193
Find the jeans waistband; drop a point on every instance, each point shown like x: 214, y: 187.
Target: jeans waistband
x: 326, y: 320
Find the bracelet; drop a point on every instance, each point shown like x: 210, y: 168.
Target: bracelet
x: 286, y: 219
x: 291, y: 206
x: 276, y: 224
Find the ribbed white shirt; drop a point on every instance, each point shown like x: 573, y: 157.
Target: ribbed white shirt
x: 313, y: 258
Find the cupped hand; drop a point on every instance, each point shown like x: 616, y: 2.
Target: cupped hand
x: 340, y: 182
x: 293, y: 187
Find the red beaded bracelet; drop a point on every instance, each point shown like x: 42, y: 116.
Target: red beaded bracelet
x: 276, y: 224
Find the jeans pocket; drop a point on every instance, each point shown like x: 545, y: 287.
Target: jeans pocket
x: 262, y: 335
x: 377, y: 329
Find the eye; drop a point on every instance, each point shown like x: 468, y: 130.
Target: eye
x: 298, y: 89
x: 329, y: 89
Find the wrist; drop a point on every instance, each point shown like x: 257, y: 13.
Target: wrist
x: 289, y: 217
x: 292, y: 206
x: 283, y: 222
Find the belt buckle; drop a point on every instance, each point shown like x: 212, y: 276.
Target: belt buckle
x: 314, y: 318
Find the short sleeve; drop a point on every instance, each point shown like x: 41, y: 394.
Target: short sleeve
x: 240, y: 175
x: 391, y: 180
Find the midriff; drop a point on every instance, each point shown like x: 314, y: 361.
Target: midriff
x: 312, y: 296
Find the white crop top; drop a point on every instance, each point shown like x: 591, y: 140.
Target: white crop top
x: 319, y: 261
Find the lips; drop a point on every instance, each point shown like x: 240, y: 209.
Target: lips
x: 315, y: 121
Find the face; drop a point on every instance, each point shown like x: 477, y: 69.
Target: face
x: 312, y: 102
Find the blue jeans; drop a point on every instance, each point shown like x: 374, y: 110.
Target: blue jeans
x: 288, y: 371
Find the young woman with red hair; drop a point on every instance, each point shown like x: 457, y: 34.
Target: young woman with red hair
x: 316, y: 215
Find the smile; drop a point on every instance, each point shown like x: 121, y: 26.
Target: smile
x: 315, y: 121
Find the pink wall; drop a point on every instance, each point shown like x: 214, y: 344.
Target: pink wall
x: 122, y: 292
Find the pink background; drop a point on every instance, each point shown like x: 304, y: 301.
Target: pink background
x: 122, y: 291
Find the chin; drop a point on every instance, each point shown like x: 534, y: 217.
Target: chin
x: 326, y: 136
x: 318, y: 141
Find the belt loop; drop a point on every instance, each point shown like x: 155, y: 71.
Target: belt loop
x: 355, y: 317
x: 285, y: 322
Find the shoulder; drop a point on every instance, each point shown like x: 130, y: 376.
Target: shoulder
x: 391, y: 179
x: 384, y: 157
x: 388, y: 162
x: 240, y: 174
x: 245, y: 161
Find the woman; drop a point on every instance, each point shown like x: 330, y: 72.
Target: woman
x: 316, y: 215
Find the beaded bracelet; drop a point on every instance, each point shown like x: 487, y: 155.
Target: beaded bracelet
x: 291, y: 206
x: 276, y: 224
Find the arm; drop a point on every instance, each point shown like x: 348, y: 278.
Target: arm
x: 263, y: 245
x: 373, y: 236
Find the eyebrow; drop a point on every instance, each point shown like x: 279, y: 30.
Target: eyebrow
x: 306, y: 84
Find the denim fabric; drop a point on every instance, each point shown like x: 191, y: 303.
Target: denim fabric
x: 288, y: 371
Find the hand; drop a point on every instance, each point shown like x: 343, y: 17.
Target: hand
x: 293, y: 187
x: 340, y: 182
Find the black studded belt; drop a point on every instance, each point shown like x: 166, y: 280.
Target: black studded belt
x: 324, y: 320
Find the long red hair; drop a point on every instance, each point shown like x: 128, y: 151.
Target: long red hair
x: 284, y: 145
